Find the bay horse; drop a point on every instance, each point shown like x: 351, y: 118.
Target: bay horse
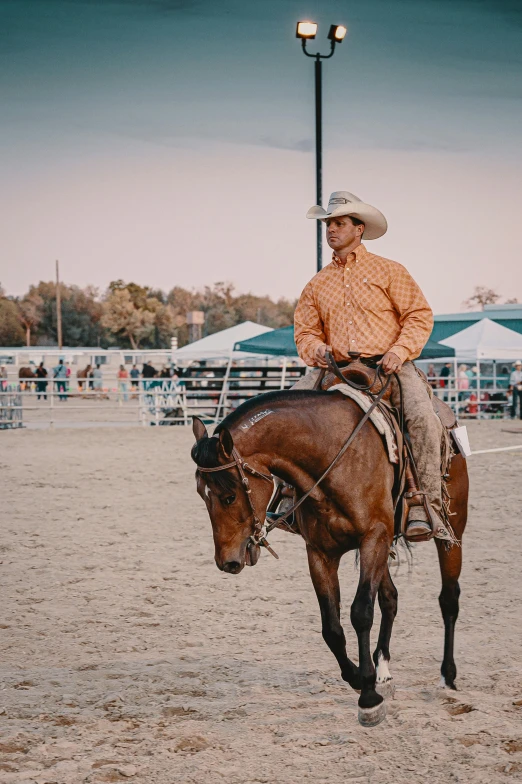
x: 26, y: 372
x: 295, y: 435
x: 82, y: 376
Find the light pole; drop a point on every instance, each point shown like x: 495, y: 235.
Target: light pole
x: 307, y: 31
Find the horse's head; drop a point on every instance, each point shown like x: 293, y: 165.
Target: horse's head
x: 226, y: 499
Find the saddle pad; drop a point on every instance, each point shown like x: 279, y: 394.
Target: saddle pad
x: 377, y: 418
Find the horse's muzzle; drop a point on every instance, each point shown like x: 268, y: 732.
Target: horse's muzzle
x: 232, y: 567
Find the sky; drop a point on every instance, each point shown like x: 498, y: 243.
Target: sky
x: 171, y: 142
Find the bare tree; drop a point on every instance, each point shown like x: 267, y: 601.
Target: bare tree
x: 481, y: 296
x: 30, y: 310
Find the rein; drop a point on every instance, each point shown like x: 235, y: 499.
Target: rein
x: 262, y: 529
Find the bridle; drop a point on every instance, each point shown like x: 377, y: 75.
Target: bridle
x: 262, y: 529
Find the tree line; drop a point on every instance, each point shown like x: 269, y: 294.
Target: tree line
x: 128, y: 315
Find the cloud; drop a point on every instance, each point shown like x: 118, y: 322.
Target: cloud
x: 298, y: 145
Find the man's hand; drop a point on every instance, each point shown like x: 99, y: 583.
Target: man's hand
x: 390, y: 363
x: 321, y: 350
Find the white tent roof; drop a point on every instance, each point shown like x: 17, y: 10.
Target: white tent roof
x: 486, y: 340
x: 220, y: 345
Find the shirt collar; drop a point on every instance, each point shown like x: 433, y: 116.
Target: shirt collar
x: 356, y: 255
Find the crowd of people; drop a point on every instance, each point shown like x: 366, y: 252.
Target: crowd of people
x: 466, y: 382
x: 129, y: 382
x: 89, y: 379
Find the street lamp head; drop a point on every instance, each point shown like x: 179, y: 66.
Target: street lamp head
x: 337, y: 33
x: 306, y: 30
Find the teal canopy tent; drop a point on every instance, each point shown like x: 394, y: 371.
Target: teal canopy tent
x: 280, y: 342
x: 434, y: 350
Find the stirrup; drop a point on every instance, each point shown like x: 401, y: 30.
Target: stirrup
x: 430, y: 525
x: 422, y: 534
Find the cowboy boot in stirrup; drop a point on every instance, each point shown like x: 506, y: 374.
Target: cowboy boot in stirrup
x: 420, y: 524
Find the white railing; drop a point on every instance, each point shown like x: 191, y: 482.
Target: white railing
x: 149, y: 401
x: 166, y: 401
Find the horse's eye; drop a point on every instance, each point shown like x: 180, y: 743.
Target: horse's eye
x: 229, y: 500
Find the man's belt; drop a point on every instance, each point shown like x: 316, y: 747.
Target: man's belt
x: 369, y: 361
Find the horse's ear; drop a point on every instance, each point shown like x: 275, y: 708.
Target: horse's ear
x: 198, y: 428
x: 226, y: 443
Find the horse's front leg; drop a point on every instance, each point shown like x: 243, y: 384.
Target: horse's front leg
x: 373, y: 555
x: 388, y: 603
x: 324, y: 574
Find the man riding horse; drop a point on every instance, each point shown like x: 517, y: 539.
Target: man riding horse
x: 341, y: 473
x: 366, y: 304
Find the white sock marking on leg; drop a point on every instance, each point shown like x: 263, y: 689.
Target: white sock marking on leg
x: 383, y: 673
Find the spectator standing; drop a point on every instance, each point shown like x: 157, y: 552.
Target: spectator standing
x: 149, y: 371
x: 97, y: 379
x: 432, y: 376
x: 462, y: 381
x: 472, y: 376
x: 515, y: 386
x: 123, y: 383
x: 60, y: 376
x: 135, y: 379
x: 3, y: 378
x: 41, y: 384
x: 444, y: 382
x: 165, y: 375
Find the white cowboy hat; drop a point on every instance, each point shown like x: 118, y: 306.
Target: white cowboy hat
x: 517, y: 363
x: 344, y: 203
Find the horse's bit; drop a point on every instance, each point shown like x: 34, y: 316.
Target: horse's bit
x: 262, y: 529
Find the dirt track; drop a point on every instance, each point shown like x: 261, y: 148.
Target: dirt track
x: 126, y: 655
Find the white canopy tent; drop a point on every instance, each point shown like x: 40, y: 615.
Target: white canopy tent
x: 486, y: 340
x: 220, y: 345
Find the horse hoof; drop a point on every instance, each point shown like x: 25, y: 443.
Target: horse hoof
x: 443, y: 684
x: 386, y: 689
x: 371, y: 717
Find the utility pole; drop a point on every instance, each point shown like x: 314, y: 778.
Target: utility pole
x: 58, y: 308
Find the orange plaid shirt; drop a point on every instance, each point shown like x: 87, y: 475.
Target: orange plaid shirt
x: 370, y: 304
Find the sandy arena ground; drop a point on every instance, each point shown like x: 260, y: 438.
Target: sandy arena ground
x: 126, y: 655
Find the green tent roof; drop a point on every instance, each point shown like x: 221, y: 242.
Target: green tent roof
x: 448, y: 324
x: 434, y: 350
x: 280, y: 342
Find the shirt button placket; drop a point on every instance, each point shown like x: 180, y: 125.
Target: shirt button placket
x: 348, y: 292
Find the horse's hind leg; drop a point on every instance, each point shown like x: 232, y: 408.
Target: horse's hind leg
x: 374, y: 551
x: 450, y: 566
x: 387, y: 595
x: 324, y: 574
